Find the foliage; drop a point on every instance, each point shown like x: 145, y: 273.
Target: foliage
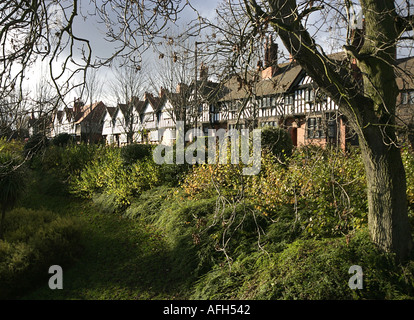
x: 108, y: 175
x: 12, y: 178
x: 291, y: 232
x: 35, y: 145
x: 68, y: 161
x: 13, y: 146
x: 278, y: 142
x: 35, y: 240
x: 131, y: 153
x: 62, y: 139
x: 206, y: 180
x: 324, y: 189
x: 310, y: 270
x: 408, y: 160
x: 12, y: 182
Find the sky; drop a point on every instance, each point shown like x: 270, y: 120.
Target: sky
x: 88, y: 27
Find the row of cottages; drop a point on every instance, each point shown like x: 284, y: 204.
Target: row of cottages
x: 83, y: 122
x: 280, y: 95
x: 135, y: 121
x: 283, y: 95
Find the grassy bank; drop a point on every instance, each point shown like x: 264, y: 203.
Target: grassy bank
x: 120, y: 259
x: 150, y: 232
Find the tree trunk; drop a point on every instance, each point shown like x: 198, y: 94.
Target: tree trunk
x: 387, y: 200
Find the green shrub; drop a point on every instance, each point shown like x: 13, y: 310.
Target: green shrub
x: 278, y: 142
x: 12, y: 146
x: 35, y: 145
x: 68, y: 161
x: 131, y: 153
x: 310, y: 270
x: 35, y: 240
x: 62, y: 139
x: 173, y: 174
x: 12, y: 183
x: 98, y: 174
x: 108, y: 176
x: 325, y: 189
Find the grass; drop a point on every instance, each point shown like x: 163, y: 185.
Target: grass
x: 122, y: 259
x: 127, y: 257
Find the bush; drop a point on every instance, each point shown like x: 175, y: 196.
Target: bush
x: 35, y: 145
x: 131, y: 153
x: 35, y: 240
x: 99, y: 175
x: 68, y: 161
x: 62, y: 140
x: 12, y: 183
x: 325, y: 189
x: 107, y: 175
x: 278, y: 142
x: 12, y: 146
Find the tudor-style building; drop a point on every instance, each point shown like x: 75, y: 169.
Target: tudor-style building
x: 281, y: 95
x: 108, y: 125
x: 84, y: 122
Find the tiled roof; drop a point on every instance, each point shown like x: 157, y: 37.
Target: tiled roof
x: 238, y: 87
x: 93, y: 112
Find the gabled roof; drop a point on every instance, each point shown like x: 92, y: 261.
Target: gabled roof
x: 287, y: 75
x: 92, y: 113
x: 59, y: 116
x: 111, y: 111
x: 154, y: 101
x: 240, y: 87
x: 68, y: 112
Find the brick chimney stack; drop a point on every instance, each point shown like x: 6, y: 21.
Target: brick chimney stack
x: 77, y: 105
x: 162, y: 92
x: 270, y: 52
x: 270, y: 65
x: 203, y: 71
x: 181, y: 88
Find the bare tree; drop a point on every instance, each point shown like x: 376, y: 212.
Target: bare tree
x: 127, y: 88
x: 13, y: 115
x: 93, y: 85
x: 173, y: 73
